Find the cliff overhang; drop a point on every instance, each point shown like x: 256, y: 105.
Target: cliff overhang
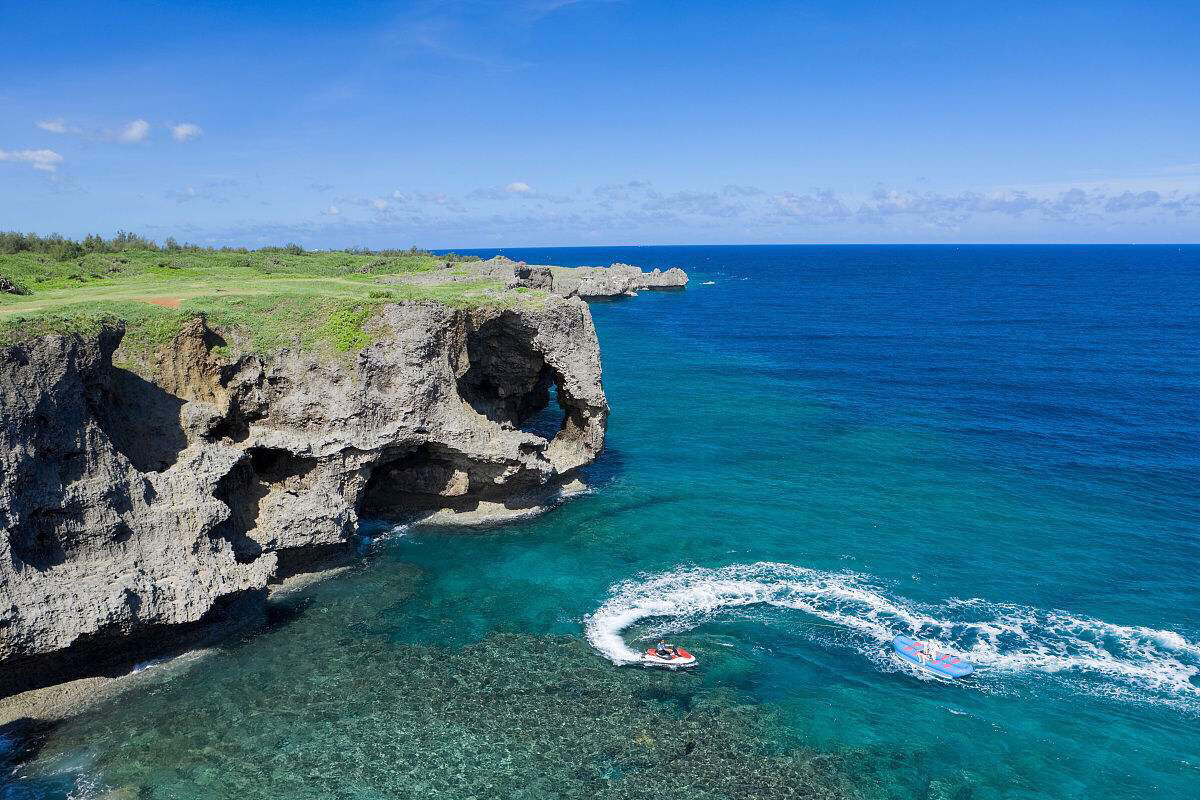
x: 137, y: 503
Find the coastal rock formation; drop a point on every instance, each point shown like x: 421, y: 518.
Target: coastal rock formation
x: 615, y: 280
x: 130, y: 503
x: 533, y: 277
x: 673, y: 278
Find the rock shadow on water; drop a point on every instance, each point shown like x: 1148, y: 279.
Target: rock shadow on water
x: 608, y: 467
x: 21, y: 740
x: 96, y: 655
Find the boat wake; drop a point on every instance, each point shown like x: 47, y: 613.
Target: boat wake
x: 1003, y: 639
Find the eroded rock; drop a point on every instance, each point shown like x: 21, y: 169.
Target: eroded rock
x: 533, y: 277
x: 615, y: 280
x: 131, y: 504
x: 10, y: 286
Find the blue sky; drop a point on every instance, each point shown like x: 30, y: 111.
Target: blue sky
x: 552, y: 122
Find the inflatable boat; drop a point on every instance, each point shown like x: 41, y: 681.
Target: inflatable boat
x: 928, y: 657
x: 682, y: 659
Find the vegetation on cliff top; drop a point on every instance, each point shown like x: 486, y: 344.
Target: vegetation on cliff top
x: 264, y: 299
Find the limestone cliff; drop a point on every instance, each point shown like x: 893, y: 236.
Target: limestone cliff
x: 135, y: 503
x: 615, y: 280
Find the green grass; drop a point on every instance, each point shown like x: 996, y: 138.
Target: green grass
x: 41, y: 272
x: 259, y: 301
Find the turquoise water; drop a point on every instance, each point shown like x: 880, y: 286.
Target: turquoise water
x: 811, y: 449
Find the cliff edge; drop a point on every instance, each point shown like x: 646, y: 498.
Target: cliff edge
x: 136, y: 502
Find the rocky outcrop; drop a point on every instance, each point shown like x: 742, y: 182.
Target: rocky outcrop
x: 533, y: 277
x: 10, y: 286
x: 135, y: 503
x: 615, y: 281
x: 673, y: 278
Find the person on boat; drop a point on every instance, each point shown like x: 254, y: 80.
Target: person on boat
x: 664, y: 650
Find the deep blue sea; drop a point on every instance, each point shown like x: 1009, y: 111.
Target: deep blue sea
x: 811, y: 449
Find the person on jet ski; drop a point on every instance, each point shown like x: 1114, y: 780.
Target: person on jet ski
x: 664, y: 650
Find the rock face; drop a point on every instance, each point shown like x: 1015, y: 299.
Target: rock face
x: 674, y: 278
x: 129, y: 505
x: 9, y: 286
x: 533, y: 277
x: 615, y: 280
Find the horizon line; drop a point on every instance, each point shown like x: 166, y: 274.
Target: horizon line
x: 824, y: 244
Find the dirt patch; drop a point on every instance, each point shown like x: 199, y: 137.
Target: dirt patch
x: 165, y: 302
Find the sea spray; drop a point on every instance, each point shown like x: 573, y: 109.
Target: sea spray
x: 372, y: 531
x: 1005, y: 639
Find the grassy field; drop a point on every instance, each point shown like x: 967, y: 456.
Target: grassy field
x: 260, y: 300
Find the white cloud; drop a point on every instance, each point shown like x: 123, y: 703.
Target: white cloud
x: 380, y: 203
x: 53, y: 125
x: 211, y: 191
x: 515, y: 189
x: 332, y: 211
x: 1133, y: 201
x: 134, y: 132
x: 184, y: 195
x: 184, y: 131
x: 416, y: 198
x: 45, y: 160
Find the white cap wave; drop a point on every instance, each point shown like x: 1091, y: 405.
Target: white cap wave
x: 1001, y: 637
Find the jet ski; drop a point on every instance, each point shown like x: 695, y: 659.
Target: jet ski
x: 680, y: 659
x: 930, y: 658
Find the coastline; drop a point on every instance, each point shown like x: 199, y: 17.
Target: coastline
x: 232, y: 438
x: 814, y: 440
x: 59, y: 701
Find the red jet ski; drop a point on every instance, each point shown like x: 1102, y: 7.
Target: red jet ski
x: 676, y: 658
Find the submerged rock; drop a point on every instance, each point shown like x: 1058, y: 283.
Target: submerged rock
x: 132, y: 505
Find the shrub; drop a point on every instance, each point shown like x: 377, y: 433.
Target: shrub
x: 455, y: 257
x: 291, y: 248
x: 64, y: 249
x: 345, y: 329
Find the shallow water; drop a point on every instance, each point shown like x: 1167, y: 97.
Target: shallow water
x: 996, y: 447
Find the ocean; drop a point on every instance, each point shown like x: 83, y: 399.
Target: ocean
x: 811, y: 450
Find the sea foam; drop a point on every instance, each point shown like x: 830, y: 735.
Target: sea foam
x: 1001, y: 639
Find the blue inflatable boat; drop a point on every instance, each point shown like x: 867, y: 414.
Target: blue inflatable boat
x: 927, y: 656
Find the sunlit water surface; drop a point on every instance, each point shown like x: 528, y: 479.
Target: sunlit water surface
x: 811, y: 450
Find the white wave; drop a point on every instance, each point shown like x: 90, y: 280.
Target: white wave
x: 1002, y: 638
x: 709, y: 283
x: 692, y: 595
x: 381, y: 529
x: 142, y: 666
x: 372, y: 531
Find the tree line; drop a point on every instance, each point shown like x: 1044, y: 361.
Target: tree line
x: 63, y: 249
